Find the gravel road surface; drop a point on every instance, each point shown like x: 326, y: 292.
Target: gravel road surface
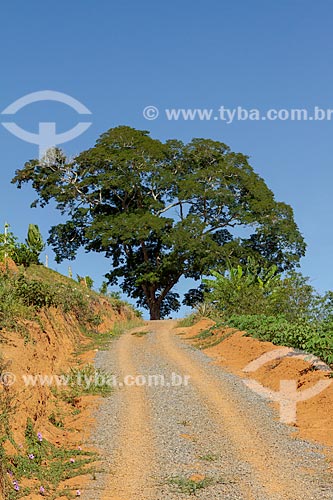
x: 185, y: 428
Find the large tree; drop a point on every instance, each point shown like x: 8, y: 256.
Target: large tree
x: 161, y: 211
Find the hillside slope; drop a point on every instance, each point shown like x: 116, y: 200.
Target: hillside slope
x: 49, y: 326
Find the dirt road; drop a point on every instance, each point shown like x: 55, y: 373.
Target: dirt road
x: 177, y: 426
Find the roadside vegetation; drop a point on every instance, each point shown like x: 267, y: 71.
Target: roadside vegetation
x: 33, y: 299
x: 281, y: 308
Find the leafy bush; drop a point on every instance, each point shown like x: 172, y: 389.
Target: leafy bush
x: 22, y: 253
x: 315, y: 338
x: 11, y: 307
x: 285, y: 310
x: 35, y: 293
x: 21, y: 297
x: 23, y: 256
x: 251, y: 289
x: 241, y: 289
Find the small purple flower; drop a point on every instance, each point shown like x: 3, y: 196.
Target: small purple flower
x: 40, y: 437
x: 16, y: 486
x: 10, y: 473
x: 72, y: 460
x: 42, y: 490
x: 78, y: 493
x: 79, y: 448
x: 31, y: 456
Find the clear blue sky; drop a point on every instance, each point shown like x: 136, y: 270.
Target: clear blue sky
x: 118, y: 57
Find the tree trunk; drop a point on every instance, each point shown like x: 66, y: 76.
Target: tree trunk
x: 155, y: 310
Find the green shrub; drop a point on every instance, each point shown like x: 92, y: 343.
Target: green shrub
x: 22, y: 296
x: 35, y: 293
x: 251, y: 289
x: 315, y: 338
x: 26, y: 253
x: 242, y: 289
x: 23, y: 256
x: 11, y: 307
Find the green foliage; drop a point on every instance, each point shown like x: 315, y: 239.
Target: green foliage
x: 35, y: 293
x: 84, y: 380
x: 87, y: 280
x: 101, y: 341
x: 87, y: 379
x: 23, y: 256
x: 22, y: 253
x: 252, y: 289
x: 22, y: 296
x: 243, y: 289
x: 315, y: 338
x: 7, y: 408
x: 8, y: 244
x: 285, y: 310
x: 104, y: 288
x: 34, y: 240
x: 56, y: 420
x: 295, y: 298
x: 112, y: 294
x: 189, y: 320
x: 121, y: 327
x: 161, y: 211
x: 46, y: 464
x: 11, y: 307
x: 189, y: 486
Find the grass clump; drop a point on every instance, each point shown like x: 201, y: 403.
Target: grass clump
x: 102, y: 341
x: 121, y: 327
x: 189, y: 320
x: 189, y: 486
x: 83, y: 381
x: 141, y: 333
x: 56, y: 420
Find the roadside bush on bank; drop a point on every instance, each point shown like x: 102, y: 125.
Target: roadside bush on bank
x: 315, y: 338
x: 283, y: 309
x: 21, y: 297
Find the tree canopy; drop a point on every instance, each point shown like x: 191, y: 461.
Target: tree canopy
x: 161, y: 211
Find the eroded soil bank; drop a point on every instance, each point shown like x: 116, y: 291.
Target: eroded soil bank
x: 33, y: 360
x: 233, y: 350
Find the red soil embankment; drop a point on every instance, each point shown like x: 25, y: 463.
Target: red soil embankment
x: 236, y: 351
